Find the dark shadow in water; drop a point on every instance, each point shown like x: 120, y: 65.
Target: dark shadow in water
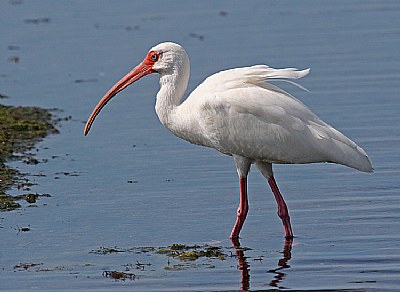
x: 244, y: 266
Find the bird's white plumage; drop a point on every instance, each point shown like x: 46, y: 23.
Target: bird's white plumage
x: 238, y: 112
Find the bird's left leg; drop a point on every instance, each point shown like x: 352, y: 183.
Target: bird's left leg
x: 283, y: 213
x: 242, y: 167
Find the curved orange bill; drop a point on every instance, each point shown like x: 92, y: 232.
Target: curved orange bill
x: 138, y: 72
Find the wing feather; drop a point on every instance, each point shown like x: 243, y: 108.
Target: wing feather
x: 243, y: 114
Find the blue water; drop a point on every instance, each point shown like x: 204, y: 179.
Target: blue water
x: 131, y: 183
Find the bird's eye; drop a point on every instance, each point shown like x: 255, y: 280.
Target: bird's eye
x: 154, y: 57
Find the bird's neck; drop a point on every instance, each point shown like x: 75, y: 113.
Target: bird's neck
x: 172, y: 89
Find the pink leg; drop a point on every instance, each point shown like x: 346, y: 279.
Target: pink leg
x: 242, y: 209
x: 283, y: 212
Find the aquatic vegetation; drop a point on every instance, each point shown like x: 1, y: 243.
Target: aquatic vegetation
x: 119, y: 276
x: 26, y: 266
x: 20, y: 129
x: 192, y: 252
x: 107, y: 250
x: 179, y: 256
x: 8, y: 203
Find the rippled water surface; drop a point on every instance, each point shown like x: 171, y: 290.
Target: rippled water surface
x: 131, y: 184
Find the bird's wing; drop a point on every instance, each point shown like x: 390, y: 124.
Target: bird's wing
x: 256, y: 75
x: 246, y: 90
x: 248, y: 116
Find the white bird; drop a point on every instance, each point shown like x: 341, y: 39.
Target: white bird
x: 239, y: 113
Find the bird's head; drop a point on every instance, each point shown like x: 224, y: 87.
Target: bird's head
x: 169, y: 58
x: 165, y: 58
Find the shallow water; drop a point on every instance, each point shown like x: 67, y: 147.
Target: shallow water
x: 131, y: 183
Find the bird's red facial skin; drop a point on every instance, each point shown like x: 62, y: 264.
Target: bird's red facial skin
x: 151, y: 58
x: 144, y: 68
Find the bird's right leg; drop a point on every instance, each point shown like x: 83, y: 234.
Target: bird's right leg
x: 242, y: 167
x: 283, y: 213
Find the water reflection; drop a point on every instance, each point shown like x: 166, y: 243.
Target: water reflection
x: 244, y: 266
x: 282, y: 265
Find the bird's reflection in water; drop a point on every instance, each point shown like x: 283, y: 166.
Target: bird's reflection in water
x: 282, y: 265
x: 244, y: 266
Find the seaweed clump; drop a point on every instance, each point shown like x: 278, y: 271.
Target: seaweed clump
x: 192, y: 252
x: 20, y: 129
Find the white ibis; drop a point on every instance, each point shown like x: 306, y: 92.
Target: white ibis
x: 239, y: 113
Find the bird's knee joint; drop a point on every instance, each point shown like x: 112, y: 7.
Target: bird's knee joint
x: 242, y: 212
x: 283, y: 214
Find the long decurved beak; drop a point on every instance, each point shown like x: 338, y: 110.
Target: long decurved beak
x: 138, y: 72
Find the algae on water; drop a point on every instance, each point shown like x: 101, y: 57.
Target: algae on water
x: 20, y: 129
